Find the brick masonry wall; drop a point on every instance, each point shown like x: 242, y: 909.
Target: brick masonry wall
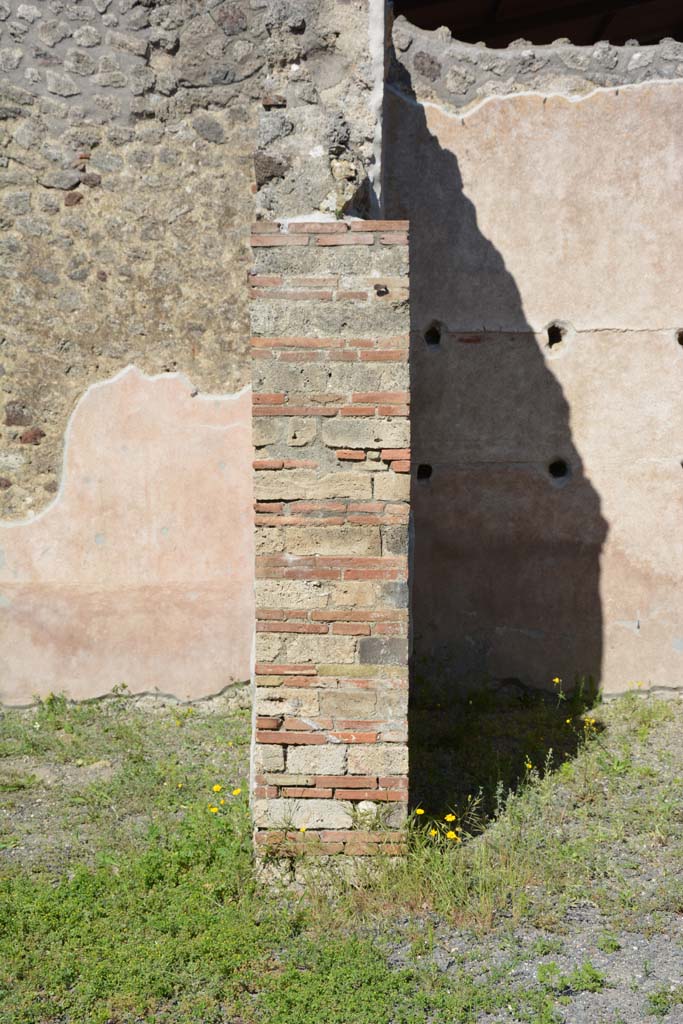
x: 332, y: 481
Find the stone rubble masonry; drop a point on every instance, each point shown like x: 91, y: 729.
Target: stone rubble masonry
x: 128, y: 178
x: 317, y: 146
x: 126, y: 142
x: 330, y: 325
x: 458, y: 75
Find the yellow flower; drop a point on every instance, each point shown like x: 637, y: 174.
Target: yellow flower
x: 528, y: 765
x: 180, y: 785
x: 449, y: 817
x: 213, y: 810
x: 217, y: 788
x: 557, y: 681
x: 568, y: 721
x: 433, y: 832
x: 302, y: 829
x: 454, y: 836
x: 177, y: 721
x: 221, y: 801
x: 418, y: 810
x: 237, y: 791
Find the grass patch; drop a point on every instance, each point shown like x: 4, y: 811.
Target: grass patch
x: 608, y: 943
x: 483, y: 742
x: 16, y: 782
x: 663, y: 1001
x: 124, y: 899
x: 585, y: 978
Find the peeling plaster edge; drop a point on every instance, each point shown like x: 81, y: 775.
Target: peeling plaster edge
x: 466, y: 113
x: 11, y: 524
x: 235, y: 687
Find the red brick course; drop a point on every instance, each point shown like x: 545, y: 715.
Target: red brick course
x: 311, y: 710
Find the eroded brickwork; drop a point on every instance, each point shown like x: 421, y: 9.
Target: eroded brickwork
x: 332, y: 481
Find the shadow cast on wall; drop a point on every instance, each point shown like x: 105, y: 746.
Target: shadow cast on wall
x: 507, y: 527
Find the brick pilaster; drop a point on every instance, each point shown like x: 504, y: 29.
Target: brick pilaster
x: 332, y: 483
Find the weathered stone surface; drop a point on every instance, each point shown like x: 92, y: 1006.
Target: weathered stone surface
x: 64, y: 180
x: 368, y: 432
x: 52, y: 32
x: 345, y: 704
x: 378, y: 759
x: 126, y: 577
x: 377, y: 650
x: 269, y: 759
x: 392, y: 487
x: 10, y: 58
x: 17, y: 415
x: 332, y: 540
x: 302, y: 481
x: 87, y: 36
x: 209, y: 128
x: 290, y: 594
x: 324, y: 760
x: 302, y: 813
x: 297, y: 649
x: 79, y: 63
x: 61, y: 85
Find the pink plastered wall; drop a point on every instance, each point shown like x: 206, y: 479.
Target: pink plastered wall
x: 141, y: 571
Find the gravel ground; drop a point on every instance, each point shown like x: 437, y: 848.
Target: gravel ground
x: 635, y: 966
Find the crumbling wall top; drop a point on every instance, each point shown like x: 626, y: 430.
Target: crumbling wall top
x: 436, y: 66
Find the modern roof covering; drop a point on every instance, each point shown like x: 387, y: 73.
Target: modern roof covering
x: 583, y: 22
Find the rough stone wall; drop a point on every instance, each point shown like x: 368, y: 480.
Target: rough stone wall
x: 125, y: 174
x: 128, y: 176
x: 318, y: 142
x: 545, y: 240
x: 127, y: 138
x: 332, y: 438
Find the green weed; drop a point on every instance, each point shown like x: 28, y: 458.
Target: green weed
x: 608, y: 943
x: 660, y: 1003
x: 585, y: 978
